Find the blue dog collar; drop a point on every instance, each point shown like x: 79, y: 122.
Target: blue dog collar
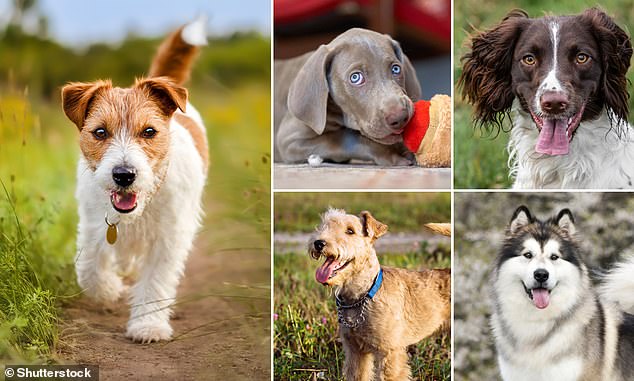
x: 377, y: 284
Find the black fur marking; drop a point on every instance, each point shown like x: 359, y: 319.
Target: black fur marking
x: 626, y: 347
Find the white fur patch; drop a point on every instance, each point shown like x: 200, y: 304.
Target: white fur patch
x: 550, y: 82
x: 315, y: 160
x: 195, y: 33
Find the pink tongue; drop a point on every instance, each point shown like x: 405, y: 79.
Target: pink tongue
x: 124, y: 201
x: 541, y: 297
x: 324, y: 271
x: 553, y: 138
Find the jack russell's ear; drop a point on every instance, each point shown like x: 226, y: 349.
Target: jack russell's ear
x: 521, y: 218
x: 566, y: 221
x: 168, y: 95
x: 77, y: 98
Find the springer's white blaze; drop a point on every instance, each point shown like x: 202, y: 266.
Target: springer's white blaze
x: 551, y: 81
x: 154, y: 239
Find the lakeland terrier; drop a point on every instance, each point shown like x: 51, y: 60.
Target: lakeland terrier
x: 381, y: 310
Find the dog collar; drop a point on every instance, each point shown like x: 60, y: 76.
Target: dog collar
x: 355, y: 321
x: 377, y: 284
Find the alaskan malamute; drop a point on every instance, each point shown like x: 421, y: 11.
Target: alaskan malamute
x: 550, y: 322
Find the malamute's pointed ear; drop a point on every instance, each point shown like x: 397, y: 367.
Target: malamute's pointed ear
x: 566, y: 221
x: 521, y: 218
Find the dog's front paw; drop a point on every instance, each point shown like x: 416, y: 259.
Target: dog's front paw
x: 397, y: 160
x: 149, y: 331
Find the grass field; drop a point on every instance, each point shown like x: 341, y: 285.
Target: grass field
x: 38, y: 152
x: 306, y: 343
x: 299, y: 212
x: 480, y: 158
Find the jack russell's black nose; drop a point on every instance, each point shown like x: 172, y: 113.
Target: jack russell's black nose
x: 123, y: 176
x: 540, y: 275
x: 319, y: 244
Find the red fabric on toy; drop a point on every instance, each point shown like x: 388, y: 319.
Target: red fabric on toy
x: 416, y: 129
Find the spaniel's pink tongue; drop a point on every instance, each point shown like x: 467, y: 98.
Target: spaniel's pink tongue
x: 541, y: 297
x: 553, y: 138
x: 123, y: 201
x: 324, y: 271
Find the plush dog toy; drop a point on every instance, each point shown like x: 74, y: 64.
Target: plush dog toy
x: 428, y: 133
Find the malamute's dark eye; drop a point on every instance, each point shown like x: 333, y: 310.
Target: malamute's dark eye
x: 350, y: 231
x: 528, y: 255
x: 554, y: 257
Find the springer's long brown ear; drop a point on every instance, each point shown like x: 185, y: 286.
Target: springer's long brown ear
x: 616, y: 52
x: 77, y: 97
x: 168, y: 94
x: 308, y: 94
x: 486, y: 69
x: 412, y: 86
x: 521, y: 217
x: 371, y: 227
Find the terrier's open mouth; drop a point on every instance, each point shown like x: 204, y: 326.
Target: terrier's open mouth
x: 329, y: 269
x: 555, y: 135
x: 123, y: 202
x: 539, y: 295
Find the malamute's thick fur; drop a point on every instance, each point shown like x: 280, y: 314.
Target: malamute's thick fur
x: 549, y: 321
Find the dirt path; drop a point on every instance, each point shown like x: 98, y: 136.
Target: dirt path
x: 221, y: 326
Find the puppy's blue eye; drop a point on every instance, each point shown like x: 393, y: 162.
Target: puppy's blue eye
x: 356, y: 78
x: 396, y: 69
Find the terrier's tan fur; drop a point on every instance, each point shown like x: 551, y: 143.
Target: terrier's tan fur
x: 409, y: 306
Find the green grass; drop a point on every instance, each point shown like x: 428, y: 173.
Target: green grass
x: 305, y: 324
x: 481, y: 158
x: 299, y: 212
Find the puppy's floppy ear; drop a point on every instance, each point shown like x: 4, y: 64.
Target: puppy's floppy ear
x: 371, y: 227
x: 566, y: 221
x: 77, y: 97
x: 308, y: 94
x: 168, y: 95
x: 486, y: 69
x: 521, y: 217
x: 616, y: 52
x: 412, y: 86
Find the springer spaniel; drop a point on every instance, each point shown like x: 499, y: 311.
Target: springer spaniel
x: 561, y: 81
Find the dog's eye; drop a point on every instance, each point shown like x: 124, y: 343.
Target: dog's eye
x: 554, y: 257
x: 148, y: 133
x: 357, y: 78
x: 100, y: 133
x: 529, y: 60
x: 528, y: 255
x: 350, y: 231
x: 396, y: 70
x: 582, y: 58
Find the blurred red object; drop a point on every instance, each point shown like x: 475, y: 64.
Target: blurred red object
x: 429, y: 17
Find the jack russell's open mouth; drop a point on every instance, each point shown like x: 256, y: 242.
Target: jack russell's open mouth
x: 329, y: 269
x: 123, y: 202
x: 539, y: 295
x: 555, y: 135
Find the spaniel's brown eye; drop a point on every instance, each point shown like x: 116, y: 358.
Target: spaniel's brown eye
x: 349, y: 231
x: 100, y: 133
x: 529, y: 60
x: 582, y: 58
x: 148, y: 133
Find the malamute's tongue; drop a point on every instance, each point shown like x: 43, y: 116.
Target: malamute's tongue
x: 553, y: 137
x: 541, y: 297
x: 324, y: 271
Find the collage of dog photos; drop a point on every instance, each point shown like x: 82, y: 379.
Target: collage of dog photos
x: 317, y: 190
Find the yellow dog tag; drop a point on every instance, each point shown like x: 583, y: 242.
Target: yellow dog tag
x: 111, y: 232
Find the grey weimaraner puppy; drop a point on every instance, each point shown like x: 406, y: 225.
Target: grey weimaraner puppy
x: 349, y: 99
